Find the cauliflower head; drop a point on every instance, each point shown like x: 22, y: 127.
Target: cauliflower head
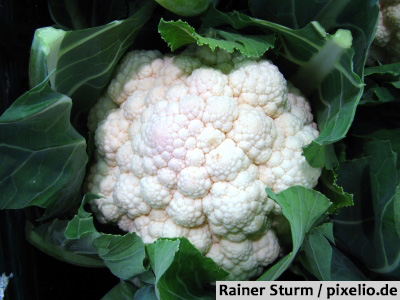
x: 186, y: 145
x: 386, y: 45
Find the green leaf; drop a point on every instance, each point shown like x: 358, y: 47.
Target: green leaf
x: 343, y: 269
x: 43, y: 158
x: 392, y: 69
x: 333, y: 87
x: 44, y: 40
x: 179, y: 33
x: 373, y: 182
x: 186, y: 8
x: 50, y: 239
x: 302, y: 207
x: 75, y: 14
x: 358, y: 16
x: 181, y: 271
x: 335, y: 193
x: 317, y: 251
x: 84, y: 60
x: 123, y: 255
x: 146, y: 292
x: 82, y: 223
x: 122, y: 291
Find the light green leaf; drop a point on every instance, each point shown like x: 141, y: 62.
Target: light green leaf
x: 182, y: 272
x: 123, y: 255
x: 179, y: 33
x: 82, y: 223
x: 146, y: 292
x: 122, y: 291
x: 44, y: 40
x: 43, y: 158
x: 302, y: 207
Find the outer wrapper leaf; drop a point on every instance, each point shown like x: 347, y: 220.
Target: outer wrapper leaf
x: 43, y: 158
x: 84, y: 60
x: 302, y: 208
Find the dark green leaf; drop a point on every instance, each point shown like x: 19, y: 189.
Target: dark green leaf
x: 75, y: 14
x: 302, y: 207
x: 186, y: 8
x: 182, y: 272
x: 84, y: 60
x: 43, y: 158
x: 358, y: 16
x: 343, y: 269
x: 123, y: 255
x: 373, y: 182
x: 179, y: 33
x: 122, y: 291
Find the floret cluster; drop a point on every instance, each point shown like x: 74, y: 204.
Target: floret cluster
x: 186, y: 145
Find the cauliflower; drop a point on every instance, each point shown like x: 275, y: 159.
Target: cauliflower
x: 386, y: 45
x: 186, y: 146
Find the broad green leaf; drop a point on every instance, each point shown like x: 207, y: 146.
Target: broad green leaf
x: 373, y: 182
x: 179, y: 33
x: 325, y: 71
x: 84, y: 60
x: 302, y: 207
x: 123, y: 254
x: 43, y: 158
x: 122, y: 291
x: 50, y: 239
x: 186, y: 8
x: 316, y: 252
x: 334, y: 192
x: 75, y: 14
x: 378, y: 134
x: 358, y: 16
x: 181, y: 271
x: 146, y: 292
